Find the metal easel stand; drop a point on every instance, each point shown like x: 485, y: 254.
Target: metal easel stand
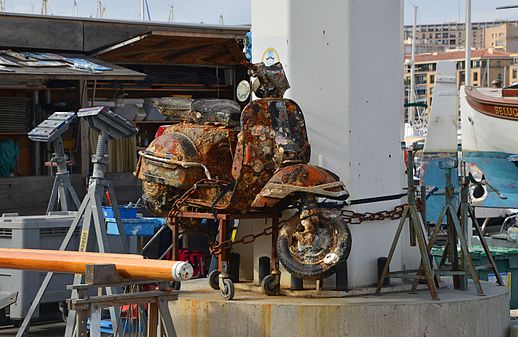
x: 157, y: 323
x: 416, y: 232
x: 62, y: 190
x: 89, y: 212
x: 459, y: 267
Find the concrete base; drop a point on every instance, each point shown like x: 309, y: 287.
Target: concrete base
x: 203, y: 312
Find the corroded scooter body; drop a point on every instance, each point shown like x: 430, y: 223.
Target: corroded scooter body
x: 210, y: 161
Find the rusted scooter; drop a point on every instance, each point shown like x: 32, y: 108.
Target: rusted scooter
x: 218, y: 158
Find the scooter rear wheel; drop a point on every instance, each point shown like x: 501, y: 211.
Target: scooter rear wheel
x: 315, y: 256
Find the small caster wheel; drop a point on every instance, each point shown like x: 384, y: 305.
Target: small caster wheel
x: 214, y: 279
x: 176, y: 285
x: 270, y: 285
x: 228, y: 290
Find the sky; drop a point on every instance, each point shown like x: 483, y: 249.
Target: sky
x: 238, y: 11
x: 192, y: 11
x: 441, y: 11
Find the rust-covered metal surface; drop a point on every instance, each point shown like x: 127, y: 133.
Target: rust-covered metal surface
x: 201, y: 111
x: 273, y: 135
x: 272, y: 79
x: 313, y: 242
x: 300, y: 178
x: 165, y: 181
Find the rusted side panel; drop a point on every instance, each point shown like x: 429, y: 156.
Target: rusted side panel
x: 300, y: 178
x: 210, y: 145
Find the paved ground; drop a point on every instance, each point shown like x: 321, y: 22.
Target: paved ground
x: 38, y: 330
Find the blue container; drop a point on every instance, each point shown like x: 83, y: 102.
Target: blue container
x: 125, y: 212
x: 135, y: 227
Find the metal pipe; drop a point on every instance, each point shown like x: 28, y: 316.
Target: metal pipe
x: 184, y: 164
x: 411, y: 115
x: 467, y: 66
x: 64, y: 262
x: 72, y: 252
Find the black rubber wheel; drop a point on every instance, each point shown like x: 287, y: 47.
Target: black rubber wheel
x: 176, y: 285
x: 228, y: 290
x: 319, y: 260
x: 214, y: 279
x: 270, y: 286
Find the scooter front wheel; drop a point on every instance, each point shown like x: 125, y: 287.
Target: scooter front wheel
x: 314, y: 254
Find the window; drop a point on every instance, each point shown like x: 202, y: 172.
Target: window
x: 515, y: 74
x: 444, y: 35
x: 475, y: 76
x: 452, y: 42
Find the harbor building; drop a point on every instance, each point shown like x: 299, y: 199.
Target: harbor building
x: 445, y: 36
x: 503, y: 37
x: 488, y: 65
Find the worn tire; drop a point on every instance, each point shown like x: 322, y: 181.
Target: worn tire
x: 270, y: 286
x: 228, y: 290
x: 214, y: 279
x: 315, y: 270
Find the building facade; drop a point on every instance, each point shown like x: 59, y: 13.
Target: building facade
x: 503, y: 37
x: 487, y: 65
x: 446, y: 36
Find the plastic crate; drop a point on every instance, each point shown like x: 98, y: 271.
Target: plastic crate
x: 125, y: 212
x: 506, y: 262
x: 135, y: 227
x: 34, y: 232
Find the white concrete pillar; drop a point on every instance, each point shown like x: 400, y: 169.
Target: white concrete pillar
x: 344, y: 60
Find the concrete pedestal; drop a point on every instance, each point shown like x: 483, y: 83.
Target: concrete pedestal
x: 203, y: 312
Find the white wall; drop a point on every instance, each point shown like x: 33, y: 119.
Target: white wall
x: 344, y: 60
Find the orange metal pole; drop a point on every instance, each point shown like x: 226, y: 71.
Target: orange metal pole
x: 63, y: 262
x: 69, y: 252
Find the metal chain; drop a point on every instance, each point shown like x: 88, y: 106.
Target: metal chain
x: 215, y: 247
x: 354, y: 218
x: 347, y: 216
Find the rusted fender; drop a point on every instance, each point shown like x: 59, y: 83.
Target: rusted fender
x: 300, y: 178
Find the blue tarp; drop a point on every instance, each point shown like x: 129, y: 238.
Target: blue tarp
x: 500, y: 173
x: 434, y: 178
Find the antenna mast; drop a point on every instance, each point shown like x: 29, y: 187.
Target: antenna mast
x: 171, y: 14
x: 44, y: 7
x: 76, y: 9
x: 221, y: 20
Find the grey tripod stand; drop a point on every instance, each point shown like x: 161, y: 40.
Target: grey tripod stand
x: 110, y: 126
x: 50, y: 131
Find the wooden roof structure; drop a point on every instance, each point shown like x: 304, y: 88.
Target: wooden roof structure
x: 176, y: 48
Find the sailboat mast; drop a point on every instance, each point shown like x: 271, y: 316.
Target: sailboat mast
x: 44, y: 7
x: 467, y: 66
x: 411, y: 112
